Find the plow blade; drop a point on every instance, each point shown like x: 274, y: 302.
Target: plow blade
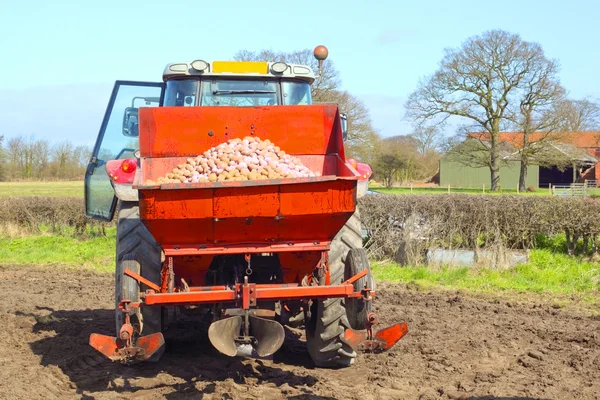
x: 222, y: 334
x: 381, y: 341
x: 268, y: 335
x: 113, y: 348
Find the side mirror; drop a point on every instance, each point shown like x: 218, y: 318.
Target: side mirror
x: 344, y: 121
x: 130, y: 122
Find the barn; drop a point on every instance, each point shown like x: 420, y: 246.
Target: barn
x: 560, y: 158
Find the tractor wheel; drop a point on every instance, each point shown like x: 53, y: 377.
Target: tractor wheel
x: 328, y: 322
x: 349, y: 237
x: 325, y: 335
x: 358, y: 309
x: 137, y: 251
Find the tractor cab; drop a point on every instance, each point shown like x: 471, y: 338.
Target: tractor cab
x: 192, y: 84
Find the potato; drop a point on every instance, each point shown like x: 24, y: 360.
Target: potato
x: 239, y: 159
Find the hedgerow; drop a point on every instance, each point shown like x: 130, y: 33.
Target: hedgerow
x: 31, y: 214
x: 457, y: 221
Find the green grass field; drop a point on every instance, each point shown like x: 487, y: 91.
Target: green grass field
x: 75, y: 189
x: 95, y: 253
x: 54, y: 189
x: 444, y: 190
x: 548, y: 271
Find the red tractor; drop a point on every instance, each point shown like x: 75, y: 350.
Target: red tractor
x: 249, y: 255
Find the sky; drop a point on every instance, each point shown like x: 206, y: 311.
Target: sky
x: 59, y: 59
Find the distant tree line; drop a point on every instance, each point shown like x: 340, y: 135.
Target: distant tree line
x: 39, y: 159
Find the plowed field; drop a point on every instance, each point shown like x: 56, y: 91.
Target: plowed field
x: 458, y: 346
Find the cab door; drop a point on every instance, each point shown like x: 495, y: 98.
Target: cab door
x: 117, y: 139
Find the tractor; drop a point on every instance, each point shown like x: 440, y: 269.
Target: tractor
x: 249, y: 257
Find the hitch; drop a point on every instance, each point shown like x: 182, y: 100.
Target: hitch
x: 380, y: 341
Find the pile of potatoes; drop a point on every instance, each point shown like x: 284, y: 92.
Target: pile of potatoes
x: 238, y: 160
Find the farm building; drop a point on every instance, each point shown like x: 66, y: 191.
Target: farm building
x: 561, y: 158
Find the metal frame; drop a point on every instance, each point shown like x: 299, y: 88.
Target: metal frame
x: 249, y: 294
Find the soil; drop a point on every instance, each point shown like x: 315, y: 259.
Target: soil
x: 458, y: 346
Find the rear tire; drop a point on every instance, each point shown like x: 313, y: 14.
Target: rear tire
x: 138, y: 251
x: 328, y: 323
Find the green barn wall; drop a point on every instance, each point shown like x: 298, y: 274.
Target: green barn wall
x: 459, y: 175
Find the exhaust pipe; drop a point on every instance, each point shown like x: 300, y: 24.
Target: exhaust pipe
x: 266, y: 336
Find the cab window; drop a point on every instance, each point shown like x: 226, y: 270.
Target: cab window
x: 181, y: 93
x: 240, y: 93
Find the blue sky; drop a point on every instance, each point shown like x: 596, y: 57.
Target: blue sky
x: 60, y: 59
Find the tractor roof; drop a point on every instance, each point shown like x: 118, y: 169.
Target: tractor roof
x: 238, y: 69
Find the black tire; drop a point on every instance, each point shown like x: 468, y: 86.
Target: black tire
x: 349, y: 237
x: 328, y: 322
x: 357, y: 309
x: 138, y: 251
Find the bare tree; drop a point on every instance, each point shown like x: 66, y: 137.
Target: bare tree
x: 81, y: 155
x: 3, y: 172
x: 540, y: 92
x: 62, y: 155
x: 476, y: 82
x: 578, y: 115
x: 429, y: 138
x: 41, y: 157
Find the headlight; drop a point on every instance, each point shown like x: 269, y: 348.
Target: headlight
x: 199, y: 65
x: 279, y: 67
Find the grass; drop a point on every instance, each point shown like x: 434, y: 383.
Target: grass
x: 54, y: 189
x: 75, y: 189
x: 444, y: 190
x: 546, y: 272
x: 95, y: 253
x: 549, y: 270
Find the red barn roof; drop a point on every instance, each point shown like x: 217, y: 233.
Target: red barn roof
x: 583, y: 140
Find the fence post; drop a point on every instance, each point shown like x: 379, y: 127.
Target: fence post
x: 483, y: 188
x: 550, y: 188
x: 411, y: 187
x: 448, y: 188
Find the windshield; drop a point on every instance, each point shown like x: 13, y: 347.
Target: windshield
x: 239, y: 93
x: 295, y: 93
x: 236, y: 92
